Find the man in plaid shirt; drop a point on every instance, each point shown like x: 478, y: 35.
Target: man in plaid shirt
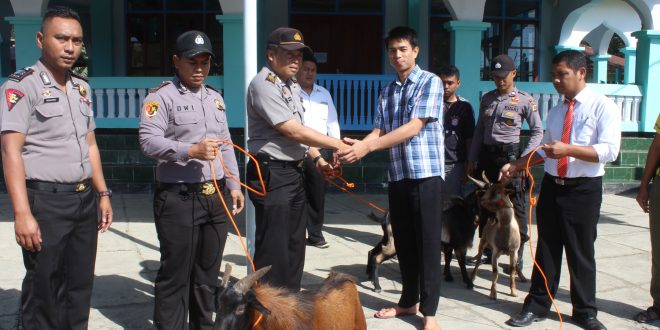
x: 409, y: 124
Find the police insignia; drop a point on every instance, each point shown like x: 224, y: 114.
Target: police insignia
x: 82, y: 90
x: 271, y: 77
x: 514, y: 100
x: 454, y: 121
x: 219, y: 105
x: 151, y: 108
x: 44, y: 78
x: 532, y: 103
x: 297, y: 37
x: 20, y: 74
x: 13, y: 96
x: 46, y: 92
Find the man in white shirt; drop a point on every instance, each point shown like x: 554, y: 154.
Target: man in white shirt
x: 582, y: 134
x: 320, y: 115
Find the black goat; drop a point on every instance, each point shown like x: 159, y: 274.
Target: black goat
x: 383, y: 251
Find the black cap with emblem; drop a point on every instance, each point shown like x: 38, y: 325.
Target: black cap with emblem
x: 192, y: 43
x: 502, y: 65
x: 289, y: 39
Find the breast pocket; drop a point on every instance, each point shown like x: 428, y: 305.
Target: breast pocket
x: 584, y: 126
x: 52, y: 124
x: 85, y: 120
x: 188, y: 127
x: 508, y: 120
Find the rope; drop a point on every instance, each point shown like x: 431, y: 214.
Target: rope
x: 337, y: 174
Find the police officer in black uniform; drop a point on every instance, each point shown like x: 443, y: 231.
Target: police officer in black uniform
x: 51, y: 162
x: 181, y: 125
x: 497, y: 138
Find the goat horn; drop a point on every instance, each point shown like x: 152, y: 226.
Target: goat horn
x: 246, y: 282
x: 483, y: 175
x: 227, y: 274
x: 480, y: 184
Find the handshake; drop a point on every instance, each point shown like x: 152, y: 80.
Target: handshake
x: 352, y: 150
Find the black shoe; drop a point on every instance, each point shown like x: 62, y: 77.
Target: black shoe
x: 322, y: 244
x: 485, y: 260
x: 524, y: 319
x: 589, y: 323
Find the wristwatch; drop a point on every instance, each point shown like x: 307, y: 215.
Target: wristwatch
x: 316, y: 159
x: 105, y: 193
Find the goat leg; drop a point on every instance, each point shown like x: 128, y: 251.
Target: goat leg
x: 496, y: 274
x: 482, y: 245
x: 460, y: 255
x: 513, y: 258
x: 447, y: 272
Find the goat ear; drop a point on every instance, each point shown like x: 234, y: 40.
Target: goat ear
x: 254, y: 302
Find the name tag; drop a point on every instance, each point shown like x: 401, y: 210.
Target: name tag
x: 51, y: 99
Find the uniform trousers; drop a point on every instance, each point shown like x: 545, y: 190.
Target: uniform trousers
x: 57, y: 288
x: 192, y: 231
x: 567, y: 216
x: 280, y: 226
x: 654, y: 226
x: 315, y: 186
x: 416, y: 217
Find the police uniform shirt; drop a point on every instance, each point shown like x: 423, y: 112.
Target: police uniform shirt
x: 320, y: 113
x: 501, y: 118
x: 55, y: 123
x: 596, y: 123
x: 173, y: 119
x: 271, y: 101
x: 459, y: 126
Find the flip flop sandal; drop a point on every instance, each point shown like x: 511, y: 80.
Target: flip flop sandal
x: 651, y: 314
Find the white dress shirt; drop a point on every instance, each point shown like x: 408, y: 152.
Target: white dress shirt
x: 320, y: 112
x: 596, y: 123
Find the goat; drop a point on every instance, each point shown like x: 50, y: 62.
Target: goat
x: 383, y: 251
x: 459, y: 222
x: 335, y: 305
x: 501, y: 233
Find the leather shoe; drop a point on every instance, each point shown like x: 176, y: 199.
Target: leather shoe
x: 524, y: 319
x: 589, y: 323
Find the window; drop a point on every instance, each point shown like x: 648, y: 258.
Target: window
x: 513, y: 31
x: 439, y: 43
x: 153, y: 27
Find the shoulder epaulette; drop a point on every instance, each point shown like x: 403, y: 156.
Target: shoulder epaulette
x: 523, y: 93
x: 212, y: 88
x: 271, y: 77
x: 21, y: 74
x: 163, y: 84
x: 79, y: 76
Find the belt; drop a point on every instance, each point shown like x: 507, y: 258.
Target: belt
x: 570, y: 181
x: 205, y: 188
x: 264, y: 159
x: 58, y: 187
x: 505, y: 147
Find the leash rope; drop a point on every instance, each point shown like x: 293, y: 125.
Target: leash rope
x: 337, y: 174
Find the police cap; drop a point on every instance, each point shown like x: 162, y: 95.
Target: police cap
x: 289, y: 39
x: 192, y: 43
x: 501, y: 65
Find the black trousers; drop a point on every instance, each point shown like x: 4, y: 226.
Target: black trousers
x: 57, y: 288
x: 315, y: 192
x: 192, y: 231
x: 280, y: 227
x: 491, y: 163
x: 416, y: 216
x: 566, y: 217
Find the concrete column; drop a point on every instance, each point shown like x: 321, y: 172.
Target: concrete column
x: 629, y: 66
x: 25, y: 34
x: 233, y: 53
x: 101, y: 61
x: 647, y: 76
x: 600, y: 68
x: 465, y: 54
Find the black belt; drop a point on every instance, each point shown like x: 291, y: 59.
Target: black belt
x: 570, y: 181
x: 205, y: 188
x: 264, y: 159
x: 498, y: 148
x: 58, y: 187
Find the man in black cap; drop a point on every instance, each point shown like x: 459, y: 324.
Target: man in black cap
x: 497, y: 137
x: 279, y: 140
x: 182, y: 122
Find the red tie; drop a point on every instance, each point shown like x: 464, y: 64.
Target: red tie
x: 562, y: 163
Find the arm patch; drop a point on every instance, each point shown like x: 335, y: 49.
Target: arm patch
x: 21, y: 74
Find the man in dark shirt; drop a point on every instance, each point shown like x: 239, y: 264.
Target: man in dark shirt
x: 458, y: 125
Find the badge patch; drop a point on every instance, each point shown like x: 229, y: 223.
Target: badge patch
x: 514, y: 100
x: 82, y: 90
x: 44, y: 78
x: 46, y: 93
x: 454, y: 121
x: 219, y: 105
x: 532, y: 103
x: 271, y: 77
x: 13, y: 96
x: 86, y: 101
x: 151, y: 108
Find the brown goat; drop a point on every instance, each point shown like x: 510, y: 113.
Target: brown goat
x: 501, y: 233
x: 336, y: 305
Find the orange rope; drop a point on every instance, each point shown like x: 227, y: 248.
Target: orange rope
x: 532, y: 203
x: 224, y: 203
x: 336, y: 173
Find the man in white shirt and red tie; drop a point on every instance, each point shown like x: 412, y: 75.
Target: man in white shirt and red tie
x: 320, y: 115
x: 582, y: 134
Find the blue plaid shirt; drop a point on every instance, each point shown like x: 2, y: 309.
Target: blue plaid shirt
x: 420, y: 96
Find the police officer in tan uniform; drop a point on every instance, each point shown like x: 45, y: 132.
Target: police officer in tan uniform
x: 52, y: 169
x: 279, y: 140
x: 497, y: 137
x: 182, y: 122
